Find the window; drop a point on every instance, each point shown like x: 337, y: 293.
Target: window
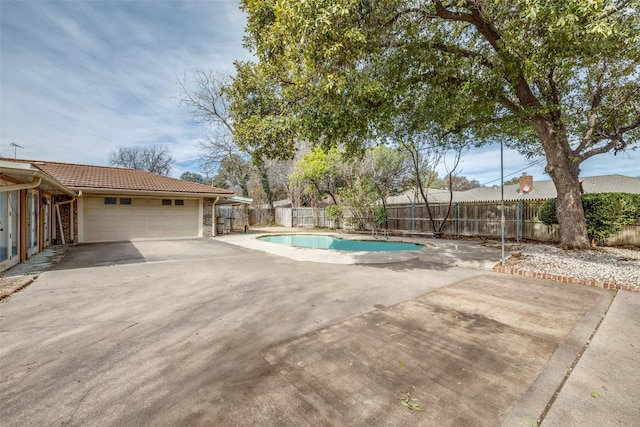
x: 166, y: 202
x: 109, y: 200
x: 179, y: 202
x: 125, y: 200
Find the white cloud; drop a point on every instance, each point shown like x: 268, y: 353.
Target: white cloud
x: 79, y: 78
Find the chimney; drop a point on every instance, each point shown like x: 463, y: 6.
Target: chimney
x: 526, y: 183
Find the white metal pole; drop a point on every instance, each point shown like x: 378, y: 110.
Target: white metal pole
x: 502, y: 199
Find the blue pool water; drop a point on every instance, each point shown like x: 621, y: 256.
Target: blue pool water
x: 330, y: 242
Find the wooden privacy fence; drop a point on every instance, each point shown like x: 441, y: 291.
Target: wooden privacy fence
x: 473, y: 219
x: 466, y: 219
x: 291, y: 217
x: 260, y: 216
x: 234, y: 215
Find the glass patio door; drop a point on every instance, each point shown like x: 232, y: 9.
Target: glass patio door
x: 46, y: 211
x: 5, y: 227
x: 9, y: 226
x: 32, y: 222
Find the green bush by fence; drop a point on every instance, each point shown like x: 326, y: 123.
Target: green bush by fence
x: 606, y: 213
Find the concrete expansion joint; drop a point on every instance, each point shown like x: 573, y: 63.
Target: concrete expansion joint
x: 575, y: 362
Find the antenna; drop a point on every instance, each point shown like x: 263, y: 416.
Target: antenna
x: 15, y: 149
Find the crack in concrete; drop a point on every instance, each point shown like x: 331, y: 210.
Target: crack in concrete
x: 555, y: 395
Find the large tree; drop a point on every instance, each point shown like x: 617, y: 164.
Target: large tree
x: 206, y: 97
x: 552, y: 78
x: 154, y: 159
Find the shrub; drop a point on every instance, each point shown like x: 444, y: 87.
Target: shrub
x: 608, y: 213
x: 605, y: 213
x: 547, y: 212
x: 333, y: 212
x: 381, y: 216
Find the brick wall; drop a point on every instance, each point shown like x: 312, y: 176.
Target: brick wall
x: 207, y: 218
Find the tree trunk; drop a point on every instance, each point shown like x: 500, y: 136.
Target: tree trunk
x: 565, y: 175
x: 263, y: 172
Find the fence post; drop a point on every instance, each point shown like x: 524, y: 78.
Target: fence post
x: 519, y: 220
x: 413, y: 216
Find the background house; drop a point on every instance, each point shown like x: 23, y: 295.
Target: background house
x: 526, y: 189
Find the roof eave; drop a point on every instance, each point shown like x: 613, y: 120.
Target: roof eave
x: 236, y: 200
x: 21, y: 170
x: 149, y: 193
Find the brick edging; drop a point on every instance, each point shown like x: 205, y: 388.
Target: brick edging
x: 15, y: 288
x: 564, y: 279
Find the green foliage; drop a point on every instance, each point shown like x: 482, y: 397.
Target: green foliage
x: 490, y: 69
x: 234, y: 171
x: 606, y: 213
x: 193, y: 177
x: 388, y: 167
x: 380, y: 215
x: 316, y: 171
x: 553, y: 78
x: 514, y: 180
x: 333, y: 212
x: 360, y: 199
x: 547, y: 212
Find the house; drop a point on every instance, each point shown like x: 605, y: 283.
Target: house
x: 526, y: 189
x: 42, y: 203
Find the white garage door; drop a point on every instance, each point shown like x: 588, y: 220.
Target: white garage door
x: 122, y: 218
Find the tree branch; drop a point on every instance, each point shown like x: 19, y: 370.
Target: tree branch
x: 448, y: 15
x: 509, y: 105
x: 400, y: 14
x: 596, y: 100
x: 464, y: 53
x: 521, y: 86
x: 616, y: 141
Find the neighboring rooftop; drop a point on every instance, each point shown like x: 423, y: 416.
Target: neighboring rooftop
x: 540, y: 190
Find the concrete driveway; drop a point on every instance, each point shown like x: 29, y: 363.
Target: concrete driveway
x: 201, y: 332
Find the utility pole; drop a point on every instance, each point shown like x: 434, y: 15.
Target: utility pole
x: 15, y: 149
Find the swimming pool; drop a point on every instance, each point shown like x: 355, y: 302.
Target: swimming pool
x: 316, y: 241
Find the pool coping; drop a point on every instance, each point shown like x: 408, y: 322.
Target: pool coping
x: 329, y: 256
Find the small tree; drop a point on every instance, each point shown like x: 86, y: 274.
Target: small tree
x: 333, y: 213
x: 317, y: 172
x: 388, y: 168
x: 360, y: 199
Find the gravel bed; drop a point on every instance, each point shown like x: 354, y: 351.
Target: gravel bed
x: 619, y: 266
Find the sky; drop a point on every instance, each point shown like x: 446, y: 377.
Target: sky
x: 80, y: 78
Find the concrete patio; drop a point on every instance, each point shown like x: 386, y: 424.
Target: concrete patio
x: 203, y: 332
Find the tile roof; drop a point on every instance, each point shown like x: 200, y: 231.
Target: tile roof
x: 103, y: 177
